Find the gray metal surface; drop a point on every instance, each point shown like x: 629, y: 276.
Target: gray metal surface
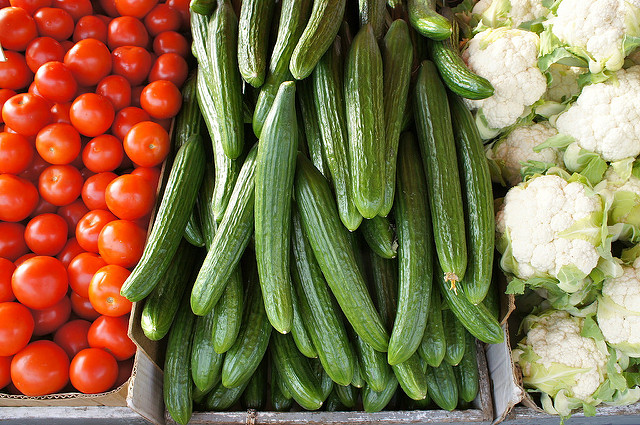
x: 92, y: 415
x: 622, y: 415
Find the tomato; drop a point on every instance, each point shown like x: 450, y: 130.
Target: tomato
x: 90, y: 27
x: 132, y: 62
x: 81, y: 269
x: 40, y: 282
x: 58, y: 143
x: 14, y: 72
x: 22, y: 259
x: 35, y: 168
x: 48, y: 320
x: 126, y: 31
x: 89, y: 61
x: 42, y: 50
x: 30, y: 5
x: 110, y: 333
x: 46, y: 234
x: 55, y: 82
x: 117, y: 89
x: 171, y: 67
x: 135, y: 8
x: 104, y: 291
x: 93, y: 191
x: 89, y: 227
x: 130, y: 197
x: 5, y: 94
x: 181, y: 6
x: 82, y: 307
x: 72, y: 213
x: 16, y: 153
x: 161, y: 99
x: 26, y: 113
x: 127, y: 118
x: 91, y: 114
x: 53, y: 22
x: 60, y: 184
x: 16, y: 328
x: 109, y: 7
x: 70, y: 251
x: 121, y: 242
x: 93, y: 371
x: 6, y: 271
x: 60, y: 113
x: 103, y: 153
x: 76, y: 8
x: 147, y: 144
x: 18, y: 197
x: 124, y: 372
x: 17, y: 28
x: 41, y: 368
x: 135, y: 95
x: 150, y: 174
x: 43, y: 207
x: 72, y: 336
x: 5, y: 371
x: 171, y: 42
x: 162, y: 18
x: 12, y: 244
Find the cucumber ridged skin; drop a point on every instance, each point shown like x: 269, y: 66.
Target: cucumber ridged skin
x: 347, y: 394
x: 255, y: 395
x: 225, y: 82
x: 299, y: 331
x: 326, y: 383
x: 372, y: 12
x: 199, y: 29
x: 478, y: 200
x: 330, y: 108
x: 358, y: 379
x: 189, y: 120
x: 203, y: 7
x: 175, y: 207
x: 253, y: 35
x: 384, y: 277
x: 206, y: 364
x: 331, y: 246
x: 333, y: 403
x: 411, y: 377
x: 205, y: 206
x: 363, y: 96
x: 280, y: 400
x: 435, y: 134
x: 397, y: 57
x: 373, y: 401
x: 467, y: 371
x: 415, y: 253
x: 442, y: 385
x: 192, y: 232
x: 222, y: 398
x: 380, y: 236
x: 373, y: 364
x: 228, y: 312
x: 428, y: 22
x: 434, y: 345
x: 454, y: 334
x: 322, y: 27
x: 311, y: 127
x: 230, y: 241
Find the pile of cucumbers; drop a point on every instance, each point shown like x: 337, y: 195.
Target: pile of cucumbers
x: 326, y: 231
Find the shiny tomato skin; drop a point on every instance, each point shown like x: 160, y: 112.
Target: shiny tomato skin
x: 127, y: 118
x: 14, y: 72
x: 46, y: 234
x: 147, y: 144
x: 110, y: 333
x: 82, y: 307
x: 16, y: 327
x: 60, y: 184
x: 76, y: 8
x: 93, y: 370
x: 35, y: 168
x: 6, y: 271
x: 58, y: 143
x: 161, y: 99
x: 121, y: 242
x: 162, y: 18
x: 130, y: 197
x: 125, y: 368
x: 48, y: 320
x: 12, y: 244
x: 91, y: 114
x: 70, y: 251
x: 182, y: 6
x: 89, y: 60
x: 103, y: 153
x: 72, y: 213
x: 171, y: 42
x: 18, y: 198
x: 41, y: 368
x: 135, y: 8
x: 72, y: 336
x: 104, y: 291
x: 150, y: 174
x: 60, y: 113
x: 55, y: 82
x: 5, y: 94
x: 117, y: 89
x: 89, y: 227
x: 81, y: 270
x: 26, y: 113
x: 90, y: 27
x: 30, y: 5
x: 93, y: 191
x: 171, y: 67
x: 132, y: 63
x: 17, y: 28
x: 42, y: 50
x: 126, y: 31
x: 16, y: 153
x: 40, y: 282
x: 53, y: 22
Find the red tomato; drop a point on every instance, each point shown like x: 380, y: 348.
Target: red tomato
x: 81, y: 269
x: 5, y: 94
x: 91, y: 114
x: 55, y: 82
x: 26, y: 113
x: 58, y: 143
x: 18, y: 197
x: 90, y: 27
x: 135, y: 8
x: 161, y: 99
x: 82, y: 307
x: 46, y: 234
x: 89, y: 227
x: 6, y: 271
x: 126, y: 31
x: 16, y: 328
x: 147, y: 144
x: 110, y: 333
x: 121, y: 242
x: 171, y: 42
x: 53, y: 22
x: 135, y: 95
x: 162, y: 18
x: 30, y: 5
x: 104, y: 291
x: 5, y: 371
x: 22, y: 259
x: 70, y: 251
x: 124, y: 372
x: 181, y: 6
x: 150, y: 174
x: 103, y: 153
x: 127, y: 118
x: 41, y: 368
x: 60, y: 113
x: 16, y: 153
x: 129, y: 197
x: 76, y: 8
x: 48, y: 320
x: 89, y: 61
x: 93, y: 371
x: 17, y: 28
x: 171, y: 67
x: 43, y: 207
x: 93, y: 191
x: 42, y: 50
x: 60, y: 184
x: 72, y: 336
x: 35, y: 168
x: 132, y: 62
x: 109, y: 7
x: 72, y: 213
x: 40, y: 282
x: 14, y: 72
x: 12, y: 244
x: 117, y: 89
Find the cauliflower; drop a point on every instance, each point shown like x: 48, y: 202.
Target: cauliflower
x: 624, y: 189
x: 513, y: 12
x: 604, y: 119
x: 510, y: 152
x: 563, y: 82
x: 508, y: 59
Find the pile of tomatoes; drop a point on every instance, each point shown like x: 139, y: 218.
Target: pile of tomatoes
x: 87, y: 94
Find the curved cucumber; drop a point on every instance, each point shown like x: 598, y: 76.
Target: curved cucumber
x: 411, y: 377
x: 253, y: 35
x: 433, y: 347
x: 380, y: 236
x: 454, y: 333
x: 428, y: 22
x: 373, y: 364
x: 206, y: 364
x: 373, y: 401
x: 467, y: 371
x: 443, y: 389
x: 228, y: 313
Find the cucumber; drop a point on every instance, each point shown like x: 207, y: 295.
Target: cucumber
x: 224, y: 80
x: 198, y: 396
x: 466, y: 371
x: 492, y: 300
x: 478, y: 200
x: 326, y: 383
x: 280, y: 401
x: 299, y: 331
x: 192, y: 232
x: 433, y: 122
x: 397, y: 57
x: 293, y: 19
x: 333, y: 403
x: 380, y: 237
x: 428, y: 22
x: 415, y: 256
x: 433, y: 347
x: 189, y: 120
x: 347, y: 394
x: 253, y: 35
x: 372, y: 12
x: 358, y: 379
x: 331, y: 119
x: 203, y: 7
x: 206, y: 364
x: 454, y: 334
x: 208, y: 223
x: 384, y: 278
x: 411, y: 377
x: 373, y: 401
x: 442, y: 385
x: 199, y: 29
x: 275, y: 169
x: 330, y: 243
x: 322, y: 27
x: 223, y: 398
x: 228, y: 313
x: 171, y: 219
x: 373, y: 364
x: 255, y: 395
x: 230, y: 241
x: 311, y: 127
x: 363, y: 95
x: 163, y: 302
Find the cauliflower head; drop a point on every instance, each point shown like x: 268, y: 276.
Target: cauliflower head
x: 604, y: 119
x: 512, y: 12
x: 508, y: 59
x: 624, y: 189
x: 563, y: 82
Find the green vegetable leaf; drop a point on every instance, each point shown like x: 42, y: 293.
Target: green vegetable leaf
x: 559, y: 141
x: 516, y: 286
x: 590, y: 329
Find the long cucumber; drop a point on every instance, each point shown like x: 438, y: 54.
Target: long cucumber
x: 428, y: 22
x: 434, y: 344
x: 411, y: 377
x: 380, y: 236
x: 228, y: 313
x: 253, y: 35
x: 206, y: 364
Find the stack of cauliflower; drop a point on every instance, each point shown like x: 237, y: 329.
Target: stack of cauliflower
x: 563, y: 135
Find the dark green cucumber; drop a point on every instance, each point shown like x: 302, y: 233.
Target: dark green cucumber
x: 322, y: 27
x: 250, y: 346
x: 443, y: 389
x: 373, y: 401
x: 222, y: 398
x: 331, y: 246
x: 228, y: 312
x: 415, y: 256
x: 171, y: 219
x: 372, y: 12
x: 478, y: 200
x: 466, y: 372
x: 230, y: 241
x: 428, y: 22
x: 433, y: 347
x: 373, y: 364
x: 411, y: 377
x: 311, y: 127
x: 192, y: 232
x: 295, y: 372
x: 363, y: 96
x: 454, y: 334
x: 275, y: 170
x: 384, y: 278
x: 206, y: 364
x: 178, y: 386
x: 380, y: 236
x: 435, y: 133
x: 299, y: 331
x: 199, y: 29
x: 253, y: 35
x: 161, y: 305
x: 224, y: 80
x: 198, y: 396
x: 189, y: 120
x: 281, y: 400
x: 333, y: 403
x: 255, y: 395
x: 331, y: 119
x: 208, y: 223
x: 347, y: 394
x: 397, y: 57
x: 492, y: 300
x: 203, y: 7
x: 326, y: 383
x: 318, y: 310
x: 358, y: 379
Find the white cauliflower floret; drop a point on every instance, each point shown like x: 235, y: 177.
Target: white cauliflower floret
x: 604, y: 119
x: 508, y: 59
x: 564, y: 82
x: 519, y: 11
